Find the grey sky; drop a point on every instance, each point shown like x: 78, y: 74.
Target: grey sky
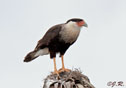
x: 100, y: 50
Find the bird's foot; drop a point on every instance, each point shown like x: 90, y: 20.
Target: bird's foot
x: 56, y: 72
x: 64, y: 70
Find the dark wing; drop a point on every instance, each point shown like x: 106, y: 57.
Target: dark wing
x: 50, y: 34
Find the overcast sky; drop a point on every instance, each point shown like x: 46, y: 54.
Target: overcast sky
x: 100, y: 51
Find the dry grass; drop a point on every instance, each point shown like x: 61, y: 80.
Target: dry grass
x: 72, y: 79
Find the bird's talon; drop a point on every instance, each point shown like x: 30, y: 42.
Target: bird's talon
x: 56, y: 72
x: 64, y: 70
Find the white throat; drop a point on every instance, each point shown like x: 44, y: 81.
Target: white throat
x: 70, y: 32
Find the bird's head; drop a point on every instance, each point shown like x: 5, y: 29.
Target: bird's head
x: 77, y: 22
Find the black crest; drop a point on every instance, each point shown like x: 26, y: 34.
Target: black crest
x: 74, y: 20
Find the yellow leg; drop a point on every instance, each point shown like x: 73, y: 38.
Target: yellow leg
x: 63, y: 69
x: 55, y: 69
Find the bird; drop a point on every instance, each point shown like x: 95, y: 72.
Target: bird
x: 57, y: 40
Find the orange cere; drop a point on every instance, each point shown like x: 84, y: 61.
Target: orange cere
x: 81, y: 23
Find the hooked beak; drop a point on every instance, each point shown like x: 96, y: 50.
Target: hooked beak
x: 85, y: 25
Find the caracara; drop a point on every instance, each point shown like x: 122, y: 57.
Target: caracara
x: 57, y: 40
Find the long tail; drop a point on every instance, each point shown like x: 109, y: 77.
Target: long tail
x: 30, y: 56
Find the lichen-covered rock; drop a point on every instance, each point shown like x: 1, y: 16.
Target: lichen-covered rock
x: 72, y: 79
